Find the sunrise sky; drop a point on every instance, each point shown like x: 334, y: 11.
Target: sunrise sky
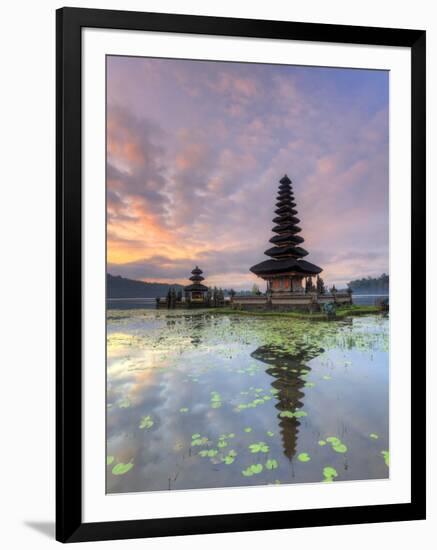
x: 195, y: 152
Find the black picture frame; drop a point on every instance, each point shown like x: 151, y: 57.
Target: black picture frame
x: 69, y: 23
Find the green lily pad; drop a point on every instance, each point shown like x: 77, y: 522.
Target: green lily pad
x: 386, y: 455
x: 333, y: 440
x: 271, y: 464
x: 212, y: 452
x: 327, y: 377
x: 260, y: 447
x: 124, y: 404
x: 121, y: 468
x: 222, y: 444
x: 341, y: 448
x: 247, y: 430
x: 322, y: 443
x: 199, y: 441
x: 374, y: 436
x: 300, y: 414
x: 304, y: 457
x: 254, y: 469
x: 109, y: 460
x: 195, y: 436
x: 228, y: 459
x: 286, y: 414
x: 309, y: 384
x: 184, y: 410
x: 270, y: 434
x: 329, y: 473
x: 146, y: 422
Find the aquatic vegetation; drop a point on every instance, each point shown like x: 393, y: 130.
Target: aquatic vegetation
x: 158, y: 359
x: 260, y: 447
x: 374, y: 436
x: 271, y: 464
x: 200, y: 441
x: 230, y: 457
x: 386, y: 455
x: 109, y: 460
x: 121, y: 468
x: 329, y: 473
x: 291, y: 414
x: 303, y: 457
x: 146, y: 422
x: 216, y: 400
x: 251, y: 470
x: 337, y: 445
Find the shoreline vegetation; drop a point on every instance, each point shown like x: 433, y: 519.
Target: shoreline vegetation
x: 341, y: 313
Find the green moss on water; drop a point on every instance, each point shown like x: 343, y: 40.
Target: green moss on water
x: 341, y: 313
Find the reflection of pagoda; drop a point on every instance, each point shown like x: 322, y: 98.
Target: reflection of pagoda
x: 285, y: 270
x: 289, y: 382
x: 196, y: 292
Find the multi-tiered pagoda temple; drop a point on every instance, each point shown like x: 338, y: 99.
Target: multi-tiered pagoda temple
x: 285, y: 270
x: 196, y: 292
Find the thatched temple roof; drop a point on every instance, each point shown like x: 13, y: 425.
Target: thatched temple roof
x: 286, y: 256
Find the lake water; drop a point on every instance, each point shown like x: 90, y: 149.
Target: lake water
x: 199, y: 399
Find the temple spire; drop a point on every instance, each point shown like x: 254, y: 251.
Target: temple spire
x: 286, y: 254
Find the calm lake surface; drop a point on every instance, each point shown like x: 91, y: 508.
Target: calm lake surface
x: 197, y: 399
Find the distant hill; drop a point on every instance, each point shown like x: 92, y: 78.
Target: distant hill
x: 370, y: 285
x: 119, y: 287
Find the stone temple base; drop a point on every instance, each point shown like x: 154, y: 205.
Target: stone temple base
x: 290, y: 301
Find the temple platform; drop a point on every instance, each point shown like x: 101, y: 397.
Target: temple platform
x: 291, y: 301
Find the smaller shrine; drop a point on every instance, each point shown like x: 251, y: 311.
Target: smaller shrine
x: 196, y: 292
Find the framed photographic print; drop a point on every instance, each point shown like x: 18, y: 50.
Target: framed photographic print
x: 240, y: 271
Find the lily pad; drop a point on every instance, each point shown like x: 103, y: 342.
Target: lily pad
x: 251, y: 470
x: 247, y: 430
x: 184, y: 410
x: 374, y: 436
x: 271, y: 464
x: 121, y: 468
x: 260, y: 447
x: 322, y: 443
x: 304, y: 457
x: 199, y: 441
x: 341, y: 448
x: 386, y: 455
x: 195, y: 436
x: 109, y: 460
x: 146, y: 422
x: 329, y: 473
x: 333, y: 440
x: 270, y: 434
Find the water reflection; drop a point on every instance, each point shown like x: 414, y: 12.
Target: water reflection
x: 290, y: 372
x: 179, y: 377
